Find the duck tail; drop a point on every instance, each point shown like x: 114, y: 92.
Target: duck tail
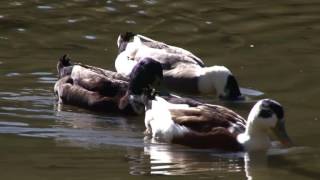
x: 124, y: 39
x: 64, y: 66
x: 127, y: 36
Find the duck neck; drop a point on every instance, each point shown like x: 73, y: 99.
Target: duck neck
x: 255, y: 138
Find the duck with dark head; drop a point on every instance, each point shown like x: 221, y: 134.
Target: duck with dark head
x: 200, y: 125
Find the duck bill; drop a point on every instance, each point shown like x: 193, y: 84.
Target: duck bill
x: 281, y: 134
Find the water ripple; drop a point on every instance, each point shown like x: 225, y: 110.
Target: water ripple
x: 15, y: 124
x: 90, y: 37
x: 77, y: 137
x: 13, y: 74
x: 44, y: 7
x: 111, y: 9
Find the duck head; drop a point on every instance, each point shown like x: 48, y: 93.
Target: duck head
x: 146, y: 75
x: 220, y: 79
x: 265, y: 120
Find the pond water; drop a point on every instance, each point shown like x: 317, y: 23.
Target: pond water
x: 270, y: 46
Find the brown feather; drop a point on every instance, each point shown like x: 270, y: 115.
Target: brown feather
x: 72, y: 94
x: 103, y: 85
x: 217, y: 138
x: 204, y: 118
x: 104, y: 72
x: 93, y: 88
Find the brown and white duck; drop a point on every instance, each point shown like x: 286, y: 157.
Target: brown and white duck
x: 182, y: 70
x: 102, y: 90
x: 216, y: 127
x: 192, y: 123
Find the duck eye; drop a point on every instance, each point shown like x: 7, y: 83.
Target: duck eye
x: 265, y: 113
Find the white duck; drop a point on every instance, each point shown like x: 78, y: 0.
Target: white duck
x: 182, y: 70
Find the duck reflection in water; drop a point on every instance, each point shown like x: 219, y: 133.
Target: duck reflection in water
x: 164, y: 159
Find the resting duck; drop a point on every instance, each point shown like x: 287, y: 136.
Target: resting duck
x: 182, y: 70
x: 102, y: 90
x: 213, y: 126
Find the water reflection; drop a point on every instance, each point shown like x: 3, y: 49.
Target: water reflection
x: 174, y: 160
x: 85, y: 137
x: 145, y: 158
x: 84, y: 120
x: 90, y: 37
x: 162, y: 159
x: 44, y: 7
x: 254, y: 164
x: 280, y: 162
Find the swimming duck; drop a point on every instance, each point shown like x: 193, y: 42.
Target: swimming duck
x: 182, y: 70
x: 213, y: 126
x: 102, y: 90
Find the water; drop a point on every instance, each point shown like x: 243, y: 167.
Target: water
x: 270, y: 46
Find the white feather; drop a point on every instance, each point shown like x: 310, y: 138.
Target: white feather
x: 79, y: 72
x: 213, y: 78
x: 123, y: 64
x: 125, y: 61
x: 160, y: 120
x: 255, y: 137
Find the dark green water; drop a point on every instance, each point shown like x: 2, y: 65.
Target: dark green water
x: 271, y: 46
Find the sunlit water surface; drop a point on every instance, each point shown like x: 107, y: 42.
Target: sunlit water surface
x: 271, y: 46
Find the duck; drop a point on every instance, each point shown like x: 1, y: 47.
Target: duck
x: 214, y: 126
x: 103, y: 90
x: 182, y: 70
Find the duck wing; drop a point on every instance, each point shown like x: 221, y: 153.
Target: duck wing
x: 95, y: 79
x: 72, y: 94
x: 130, y: 43
x: 65, y: 68
x: 98, y: 82
x: 206, y: 118
x: 104, y: 72
x: 218, y: 138
x: 179, y: 100
x: 177, y: 53
x: 168, y: 60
